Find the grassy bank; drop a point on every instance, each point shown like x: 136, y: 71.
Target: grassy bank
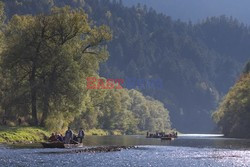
x: 37, y: 134
x: 101, y: 132
x: 22, y: 134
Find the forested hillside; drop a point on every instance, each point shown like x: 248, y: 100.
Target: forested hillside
x: 233, y: 114
x: 197, y: 10
x: 197, y: 63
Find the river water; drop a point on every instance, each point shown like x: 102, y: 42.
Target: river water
x: 186, y: 151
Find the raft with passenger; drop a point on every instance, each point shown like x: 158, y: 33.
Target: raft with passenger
x: 70, y: 140
x: 162, y: 135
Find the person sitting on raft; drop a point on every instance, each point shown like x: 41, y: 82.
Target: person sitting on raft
x: 52, y: 137
x: 60, y: 137
x: 75, y: 138
x: 68, y: 136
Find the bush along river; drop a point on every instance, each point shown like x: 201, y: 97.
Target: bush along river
x: 186, y: 150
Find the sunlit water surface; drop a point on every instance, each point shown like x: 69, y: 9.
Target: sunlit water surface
x: 187, y: 151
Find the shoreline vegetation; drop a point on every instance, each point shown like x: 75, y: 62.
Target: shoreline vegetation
x: 232, y: 115
x: 29, y: 134
x: 22, y: 134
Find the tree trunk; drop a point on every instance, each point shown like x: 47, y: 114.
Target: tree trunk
x: 48, y: 88
x: 45, y: 108
x: 33, y: 92
x: 33, y: 106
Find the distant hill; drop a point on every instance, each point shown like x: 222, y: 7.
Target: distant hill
x: 196, y: 10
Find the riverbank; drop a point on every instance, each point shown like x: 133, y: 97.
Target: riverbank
x: 101, y: 132
x: 22, y: 134
x: 28, y: 134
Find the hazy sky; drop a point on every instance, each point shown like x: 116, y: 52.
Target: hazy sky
x: 197, y: 10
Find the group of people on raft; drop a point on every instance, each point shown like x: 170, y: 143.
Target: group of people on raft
x: 69, y: 137
x: 162, y: 134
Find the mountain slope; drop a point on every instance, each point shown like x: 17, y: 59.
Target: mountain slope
x: 197, y: 63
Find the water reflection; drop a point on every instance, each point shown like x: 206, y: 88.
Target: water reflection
x: 200, y: 141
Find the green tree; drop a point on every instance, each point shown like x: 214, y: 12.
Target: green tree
x: 151, y: 114
x: 233, y: 114
x: 49, y: 57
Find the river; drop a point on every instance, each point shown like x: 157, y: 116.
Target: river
x: 186, y: 151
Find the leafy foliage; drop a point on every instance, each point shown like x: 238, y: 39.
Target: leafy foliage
x: 233, y: 114
x: 22, y: 134
x: 122, y: 109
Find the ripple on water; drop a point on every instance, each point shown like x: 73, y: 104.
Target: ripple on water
x: 143, y: 156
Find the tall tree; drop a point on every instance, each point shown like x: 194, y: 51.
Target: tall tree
x: 49, y: 57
